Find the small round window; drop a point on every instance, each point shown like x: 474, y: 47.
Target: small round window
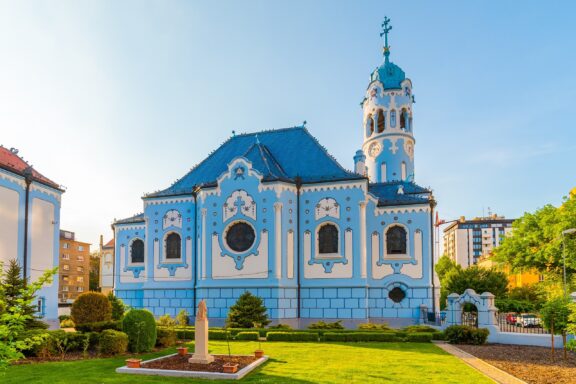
x: 240, y: 236
x: 396, y: 295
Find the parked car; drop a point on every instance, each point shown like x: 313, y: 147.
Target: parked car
x: 527, y: 320
x: 511, y: 318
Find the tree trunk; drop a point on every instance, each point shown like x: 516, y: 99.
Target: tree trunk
x: 564, y: 344
x: 552, y: 336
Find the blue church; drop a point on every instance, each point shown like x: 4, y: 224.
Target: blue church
x: 274, y: 214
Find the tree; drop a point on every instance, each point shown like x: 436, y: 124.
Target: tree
x: 91, y: 307
x: 13, y: 319
x: 479, y: 279
x: 249, y: 309
x: 14, y: 288
x: 536, y: 241
x: 118, y: 306
x: 555, y: 315
x: 445, y: 265
x: 94, y: 273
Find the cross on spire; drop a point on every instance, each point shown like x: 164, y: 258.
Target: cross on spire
x: 385, y: 29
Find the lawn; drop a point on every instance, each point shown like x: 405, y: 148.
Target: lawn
x: 289, y: 363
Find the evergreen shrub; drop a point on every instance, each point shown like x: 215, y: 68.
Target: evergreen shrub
x: 361, y: 336
x: 99, y: 326
x: 464, y: 334
x: 113, y: 342
x: 248, y: 336
x: 140, y: 326
x: 165, y: 337
x: 326, y: 325
x: 247, y: 311
x: 91, y: 307
x: 292, y: 336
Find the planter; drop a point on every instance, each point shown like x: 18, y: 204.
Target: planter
x: 230, y: 368
x: 258, y: 353
x: 133, y: 363
x: 182, y: 351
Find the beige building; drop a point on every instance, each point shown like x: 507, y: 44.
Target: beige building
x: 106, y: 266
x: 466, y: 241
x: 74, y: 267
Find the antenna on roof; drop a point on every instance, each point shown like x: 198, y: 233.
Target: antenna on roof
x: 233, y: 133
x: 14, y: 150
x: 304, y: 124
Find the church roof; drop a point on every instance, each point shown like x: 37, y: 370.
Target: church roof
x: 389, y: 74
x: 10, y: 161
x: 139, y: 218
x: 387, y: 193
x: 282, y: 154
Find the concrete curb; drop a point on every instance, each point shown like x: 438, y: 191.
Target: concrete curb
x: 496, y: 374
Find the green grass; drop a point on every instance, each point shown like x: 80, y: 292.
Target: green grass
x: 289, y: 363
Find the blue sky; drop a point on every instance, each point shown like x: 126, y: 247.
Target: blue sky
x: 113, y: 99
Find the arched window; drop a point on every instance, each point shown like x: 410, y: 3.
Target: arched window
x: 403, y: 118
x: 137, y: 251
x: 403, y: 171
x: 173, y: 246
x: 393, y: 118
x: 396, y: 241
x: 381, y: 121
x: 328, y: 239
x: 369, y: 126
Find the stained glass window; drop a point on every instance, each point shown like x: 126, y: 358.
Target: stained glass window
x: 173, y: 246
x: 396, y: 295
x: 396, y: 240
x: 137, y: 251
x: 381, y: 121
x: 240, y: 237
x: 328, y: 239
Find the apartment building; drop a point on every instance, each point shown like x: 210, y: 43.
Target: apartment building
x: 74, y: 267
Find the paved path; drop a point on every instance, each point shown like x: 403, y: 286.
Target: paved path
x: 498, y: 375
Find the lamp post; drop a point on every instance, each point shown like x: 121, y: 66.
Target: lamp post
x: 564, y: 233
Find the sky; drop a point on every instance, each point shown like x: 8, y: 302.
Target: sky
x: 114, y: 99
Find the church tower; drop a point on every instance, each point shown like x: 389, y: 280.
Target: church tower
x: 388, y: 148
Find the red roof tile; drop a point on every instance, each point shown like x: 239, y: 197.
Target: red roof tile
x: 109, y: 244
x: 10, y: 161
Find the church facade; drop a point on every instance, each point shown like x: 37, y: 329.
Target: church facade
x: 273, y: 213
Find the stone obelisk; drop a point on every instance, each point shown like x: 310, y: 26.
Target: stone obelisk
x: 201, y: 355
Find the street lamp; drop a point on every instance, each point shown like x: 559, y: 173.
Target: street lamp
x: 569, y: 231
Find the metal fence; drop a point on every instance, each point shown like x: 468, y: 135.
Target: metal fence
x: 520, y: 323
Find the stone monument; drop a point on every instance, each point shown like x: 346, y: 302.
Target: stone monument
x: 201, y: 355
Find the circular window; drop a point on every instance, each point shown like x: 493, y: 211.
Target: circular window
x: 396, y: 295
x: 240, y: 236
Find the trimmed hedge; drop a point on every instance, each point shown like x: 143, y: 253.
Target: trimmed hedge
x: 218, y: 334
x: 113, y: 342
x: 91, y: 307
x: 292, y: 336
x: 419, y: 337
x: 165, y: 337
x: 463, y: 334
x: 247, y: 336
x: 140, y: 326
x: 420, y: 328
x: 361, y: 336
x: 99, y: 326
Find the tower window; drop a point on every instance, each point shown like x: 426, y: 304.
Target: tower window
x: 393, y: 118
x: 403, y: 118
x: 396, y: 241
x: 137, y: 251
x: 173, y: 246
x: 403, y: 171
x: 328, y: 239
x: 369, y: 126
x: 381, y: 121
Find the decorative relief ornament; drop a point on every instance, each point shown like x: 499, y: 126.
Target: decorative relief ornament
x: 239, y: 202
x: 172, y: 218
x: 374, y: 149
x: 409, y: 149
x: 327, y: 207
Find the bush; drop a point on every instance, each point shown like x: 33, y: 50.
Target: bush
x: 91, y: 307
x: 512, y: 305
x: 61, y: 318
x: 323, y: 325
x: 67, y: 323
x: 218, y: 334
x: 420, y: 328
x: 438, y: 335
x: 166, y: 321
x: 247, y: 311
x: 59, y: 343
x: 183, y: 318
x: 374, y: 327
x: 184, y: 333
x: 463, y: 334
x: 140, y: 327
x: 118, y: 306
x: 165, y: 337
x: 360, y: 336
x: 291, y: 336
x: 113, y: 342
x: 99, y: 326
x: 248, y: 336
x: 280, y: 326
x: 419, y: 337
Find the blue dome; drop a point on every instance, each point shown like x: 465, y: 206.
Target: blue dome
x: 389, y: 74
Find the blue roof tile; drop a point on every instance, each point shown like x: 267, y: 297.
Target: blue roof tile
x: 387, y: 193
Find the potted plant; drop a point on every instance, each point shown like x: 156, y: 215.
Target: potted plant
x: 133, y: 363
x: 230, y: 367
x: 182, y: 350
x: 259, y: 352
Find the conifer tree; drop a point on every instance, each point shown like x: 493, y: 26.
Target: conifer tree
x: 249, y: 309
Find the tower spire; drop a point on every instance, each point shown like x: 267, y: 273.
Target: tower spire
x: 385, y: 29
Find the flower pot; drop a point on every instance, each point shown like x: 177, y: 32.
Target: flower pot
x: 133, y: 363
x: 230, y: 367
x: 258, y: 353
x: 182, y: 351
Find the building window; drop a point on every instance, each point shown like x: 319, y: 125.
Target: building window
x: 65, y: 245
x: 381, y: 121
x: 397, y: 294
x: 393, y: 118
x: 66, y: 267
x: 80, y: 269
x: 80, y: 289
x: 64, y: 278
x: 173, y: 246
x: 369, y: 126
x: 396, y: 239
x: 80, y: 247
x: 64, y: 288
x: 65, y: 256
x: 403, y: 118
x: 80, y: 279
x: 328, y: 239
x: 79, y: 258
x: 240, y: 236
x: 137, y: 251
